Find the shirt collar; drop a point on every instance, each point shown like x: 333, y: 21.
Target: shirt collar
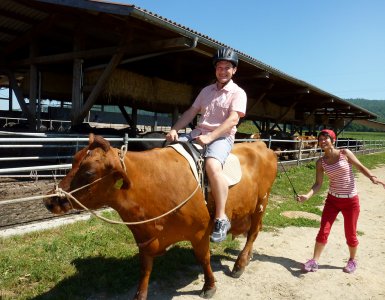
x: 228, y: 87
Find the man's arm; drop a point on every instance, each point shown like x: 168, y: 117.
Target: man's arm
x: 223, y: 129
x: 183, y: 121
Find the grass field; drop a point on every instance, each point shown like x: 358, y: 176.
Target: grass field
x: 88, y: 257
x: 363, y: 135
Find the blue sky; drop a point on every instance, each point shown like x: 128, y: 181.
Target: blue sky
x: 336, y: 45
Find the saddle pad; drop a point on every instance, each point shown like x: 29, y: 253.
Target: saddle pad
x: 179, y: 148
x: 231, y: 170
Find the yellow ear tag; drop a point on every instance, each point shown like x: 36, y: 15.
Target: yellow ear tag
x: 118, y: 184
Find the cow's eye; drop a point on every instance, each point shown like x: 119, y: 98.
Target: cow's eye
x: 90, y: 173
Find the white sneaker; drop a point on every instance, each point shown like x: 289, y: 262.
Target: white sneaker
x: 221, y: 227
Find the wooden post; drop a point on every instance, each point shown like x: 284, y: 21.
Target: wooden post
x: 33, y: 83
x: 77, y: 81
x: 10, y: 99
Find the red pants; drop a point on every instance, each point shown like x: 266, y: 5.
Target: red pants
x: 350, y: 208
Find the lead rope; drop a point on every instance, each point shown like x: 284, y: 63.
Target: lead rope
x: 294, y: 191
x: 123, y: 150
x: 201, y: 174
x: 122, y: 154
x: 63, y: 194
x: 66, y: 194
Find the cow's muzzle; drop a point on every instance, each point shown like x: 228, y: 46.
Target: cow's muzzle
x: 57, y: 204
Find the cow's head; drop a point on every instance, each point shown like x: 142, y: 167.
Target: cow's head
x: 97, y: 172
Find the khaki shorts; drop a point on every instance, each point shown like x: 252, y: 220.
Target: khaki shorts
x: 218, y: 149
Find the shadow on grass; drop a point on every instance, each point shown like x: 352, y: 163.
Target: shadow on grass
x: 117, y: 278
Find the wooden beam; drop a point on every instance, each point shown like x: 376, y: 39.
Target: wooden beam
x: 21, y: 18
x: 9, y: 31
x: 19, y: 96
x: 128, y: 120
x: 260, y: 98
x: 114, y: 62
x: 31, y: 35
x: 134, y: 49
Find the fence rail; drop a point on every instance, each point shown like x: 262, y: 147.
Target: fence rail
x: 47, y: 157
x: 295, y: 151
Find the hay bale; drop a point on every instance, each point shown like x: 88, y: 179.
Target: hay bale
x: 128, y: 85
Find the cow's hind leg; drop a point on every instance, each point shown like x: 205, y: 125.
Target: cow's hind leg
x: 246, y: 254
x: 146, y: 263
x: 202, y: 253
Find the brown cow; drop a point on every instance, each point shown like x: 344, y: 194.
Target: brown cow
x: 156, y: 181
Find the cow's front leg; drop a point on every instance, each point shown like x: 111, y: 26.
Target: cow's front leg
x: 146, y: 263
x: 202, y: 253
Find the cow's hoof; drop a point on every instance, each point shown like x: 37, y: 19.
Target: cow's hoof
x: 237, y: 272
x: 208, y: 293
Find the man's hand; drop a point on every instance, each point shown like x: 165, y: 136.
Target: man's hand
x: 172, y: 136
x: 204, y: 139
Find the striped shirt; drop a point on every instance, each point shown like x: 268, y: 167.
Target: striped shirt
x: 341, y: 178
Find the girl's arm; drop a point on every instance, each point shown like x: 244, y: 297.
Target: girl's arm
x: 360, y: 167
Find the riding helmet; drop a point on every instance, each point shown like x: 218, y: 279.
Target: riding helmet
x: 226, y: 54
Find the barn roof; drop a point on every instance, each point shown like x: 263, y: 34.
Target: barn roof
x: 162, y: 66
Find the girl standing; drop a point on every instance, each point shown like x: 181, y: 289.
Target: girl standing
x: 342, y: 197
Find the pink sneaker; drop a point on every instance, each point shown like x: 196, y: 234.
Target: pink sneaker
x: 310, y: 266
x: 351, y: 266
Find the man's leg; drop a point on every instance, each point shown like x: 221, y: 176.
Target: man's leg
x: 219, y: 190
x: 216, y: 154
x: 218, y: 185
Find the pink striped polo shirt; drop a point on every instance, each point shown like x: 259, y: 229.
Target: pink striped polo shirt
x: 215, y: 106
x: 341, y: 177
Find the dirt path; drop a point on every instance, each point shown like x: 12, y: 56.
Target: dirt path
x: 275, y: 272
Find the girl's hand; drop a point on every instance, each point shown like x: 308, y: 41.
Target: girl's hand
x: 375, y: 180
x: 302, y: 198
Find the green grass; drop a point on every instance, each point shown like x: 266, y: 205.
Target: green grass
x: 363, y: 135
x: 88, y: 257
x: 283, y: 199
x: 91, y: 257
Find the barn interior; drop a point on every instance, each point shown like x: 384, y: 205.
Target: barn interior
x: 92, y: 53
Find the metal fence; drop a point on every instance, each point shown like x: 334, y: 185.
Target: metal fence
x: 297, y: 151
x: 43, y: 156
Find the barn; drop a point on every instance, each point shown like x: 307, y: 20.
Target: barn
x: 89, y: 53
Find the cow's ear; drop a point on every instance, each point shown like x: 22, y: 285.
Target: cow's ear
x: 91, y: 138
x: 121, y: 180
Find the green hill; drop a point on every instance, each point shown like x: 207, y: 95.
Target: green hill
x: 375, y: 106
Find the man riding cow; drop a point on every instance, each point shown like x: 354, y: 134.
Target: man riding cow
x: 221, y: 105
